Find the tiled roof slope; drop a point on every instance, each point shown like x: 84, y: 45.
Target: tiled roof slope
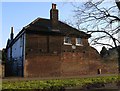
x: 45, y: 25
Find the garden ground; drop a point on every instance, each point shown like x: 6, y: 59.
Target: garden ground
x: 96, y: 82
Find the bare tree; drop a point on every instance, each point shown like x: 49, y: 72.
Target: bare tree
x: 102, y: 18
x: 118, y: 3
x: 98, y: 16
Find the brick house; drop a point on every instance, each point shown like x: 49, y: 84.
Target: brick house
x: 50, y: 48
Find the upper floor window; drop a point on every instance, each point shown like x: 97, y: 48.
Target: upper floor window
x: 67, y: 40
x: 78, y: 41
x: 21, y: 42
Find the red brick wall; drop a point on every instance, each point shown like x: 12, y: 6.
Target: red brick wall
x: 45, y: 63
x: 55, y: 43
x: 79, y: 63
x: 42, y: 66
x: 88, y: 63
x: 36, y: 44
x: 62, y: 60
x: 42, y: 44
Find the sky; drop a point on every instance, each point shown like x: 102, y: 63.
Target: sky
x: 20, y: 14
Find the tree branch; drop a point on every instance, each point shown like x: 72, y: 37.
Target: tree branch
x: 114, y: 40
x: 103, y: 44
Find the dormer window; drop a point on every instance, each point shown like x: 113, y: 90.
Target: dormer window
x: 78, y: 41
x: 67, y: 40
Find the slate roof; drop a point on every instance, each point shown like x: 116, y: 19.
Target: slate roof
x: 45, y: 25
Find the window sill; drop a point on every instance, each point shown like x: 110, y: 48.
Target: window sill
x: 79, y: 45
x: 67, y: 44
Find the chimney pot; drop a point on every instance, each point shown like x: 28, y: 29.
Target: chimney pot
x: 12, y: 35
x: 11, y: 29
x: 53, y: 6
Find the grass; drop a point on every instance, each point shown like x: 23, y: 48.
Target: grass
x: 56, y: 84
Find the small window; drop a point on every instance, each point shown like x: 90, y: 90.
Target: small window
x: 67, y: 40
x: 78, y: 41
x: 21, y: 42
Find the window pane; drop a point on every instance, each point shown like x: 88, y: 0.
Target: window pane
x: 78, y: 41
x: 67, y: 40
x: 21, y: 41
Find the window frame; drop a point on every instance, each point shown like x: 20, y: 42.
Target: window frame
x: 21, y: 41
x: 67, y: 43
x: 77, y: 41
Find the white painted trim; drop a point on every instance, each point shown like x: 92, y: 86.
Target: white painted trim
x: 67, y: 43
x: 79, y: 44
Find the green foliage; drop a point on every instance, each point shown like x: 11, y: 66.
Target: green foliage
x: 56, y: 84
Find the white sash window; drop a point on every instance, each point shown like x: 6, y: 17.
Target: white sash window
x: 67, y: 40
x: 78, y: 41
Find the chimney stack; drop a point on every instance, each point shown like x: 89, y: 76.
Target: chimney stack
x: 53, y: 6
x: 11, y: 35
x: 54, y: 16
